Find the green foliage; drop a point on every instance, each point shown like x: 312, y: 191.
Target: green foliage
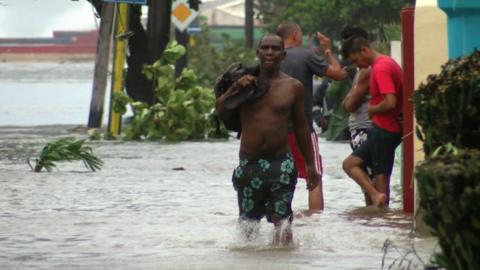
x: 449, y: 186
x: 94, y: 134
x: 447, y: 107
x: 209, y: 62
x: 337, y: 118
x: 330, y: 16
x: 67, y: 149
x: 184, y: 110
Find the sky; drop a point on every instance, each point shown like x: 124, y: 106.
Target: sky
x: 38, y: 18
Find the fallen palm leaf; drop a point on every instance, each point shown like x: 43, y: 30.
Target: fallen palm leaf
x: 66, y: 149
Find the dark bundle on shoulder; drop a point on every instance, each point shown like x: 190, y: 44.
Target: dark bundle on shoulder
x: 232, y: 74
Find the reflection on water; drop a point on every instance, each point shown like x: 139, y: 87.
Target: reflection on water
x: 373, y: 216
x: 141, y: 212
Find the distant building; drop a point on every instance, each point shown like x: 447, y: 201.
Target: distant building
x: 225, y: 17
x: 225, y: 12
x: 63, y: 44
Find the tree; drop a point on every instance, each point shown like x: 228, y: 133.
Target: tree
x: 329, y: 16
x: 249, y: 23
x: 146, y: 45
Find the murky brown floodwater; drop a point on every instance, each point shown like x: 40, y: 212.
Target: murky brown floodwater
x: 157, y: 205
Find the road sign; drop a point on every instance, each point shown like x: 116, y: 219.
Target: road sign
x: 140, y: 2
x: 182, y: 14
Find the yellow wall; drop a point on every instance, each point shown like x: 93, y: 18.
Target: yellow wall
x: 430, y: 46
x: 431, y: 52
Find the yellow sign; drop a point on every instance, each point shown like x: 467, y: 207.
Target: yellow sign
x: 182, y: 12
x: 182, y: 15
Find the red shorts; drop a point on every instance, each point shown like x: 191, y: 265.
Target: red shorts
x: 298, y: 158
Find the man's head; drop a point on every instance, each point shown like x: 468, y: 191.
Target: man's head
x: 291, y: 34
x: 270, y: 52
x: 356, y: 46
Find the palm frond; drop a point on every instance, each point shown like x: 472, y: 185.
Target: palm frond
x: 67, y: 149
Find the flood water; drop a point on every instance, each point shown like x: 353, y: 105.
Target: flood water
x: 157, y: 205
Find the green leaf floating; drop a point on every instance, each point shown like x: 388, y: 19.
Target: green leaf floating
x: 67, y: 149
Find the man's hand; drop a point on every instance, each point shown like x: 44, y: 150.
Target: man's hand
x: 386, y: 105
x: 371, y: 111
x: 364, y: 75
x: 242, y: 83
x: 313, y: 178
x: 324, y: 41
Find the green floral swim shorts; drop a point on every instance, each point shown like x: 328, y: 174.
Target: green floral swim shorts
x: 265, y: 187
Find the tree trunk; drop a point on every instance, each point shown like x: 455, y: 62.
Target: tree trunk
x: 249, y: 23
x: 145, y: 47
x: 138, y: 87
x: 158, y: 27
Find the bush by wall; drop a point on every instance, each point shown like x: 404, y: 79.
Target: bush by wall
x: 447, y: 108
x: 449, y: 186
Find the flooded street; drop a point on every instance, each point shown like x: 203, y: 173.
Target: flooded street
x: 157, y: 205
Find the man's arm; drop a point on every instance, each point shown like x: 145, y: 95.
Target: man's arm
x: 386, y: 87
x: 334, y: 70
x: 387, y: 104
x: 224, y: 113
x: 302, y: 134
x: 358, y: 91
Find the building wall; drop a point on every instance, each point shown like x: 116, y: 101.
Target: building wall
x: 430, y: 52
x: 225, y: 13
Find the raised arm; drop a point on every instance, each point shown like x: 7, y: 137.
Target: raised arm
x: 302, y: 134
x: 334, y: 70
x: 358, y: 91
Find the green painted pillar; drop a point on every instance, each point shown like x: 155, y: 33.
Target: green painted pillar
x: 463, y: 25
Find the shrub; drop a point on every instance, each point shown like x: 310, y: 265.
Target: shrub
x: 447, y: 109
x: 447, y: 106
x: 209, y: 62
x: 449, y: 186
x: 183, y: 111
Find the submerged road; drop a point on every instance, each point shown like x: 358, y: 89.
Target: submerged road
x: 157, y: 205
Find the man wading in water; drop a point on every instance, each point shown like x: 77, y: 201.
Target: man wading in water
x: 265, y: 178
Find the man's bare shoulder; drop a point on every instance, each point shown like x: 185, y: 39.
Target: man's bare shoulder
x: 290, y: 80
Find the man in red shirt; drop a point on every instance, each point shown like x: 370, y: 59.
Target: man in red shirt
x: 378, y: 152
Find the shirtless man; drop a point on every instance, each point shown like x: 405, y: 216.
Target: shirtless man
x: 265, y: 178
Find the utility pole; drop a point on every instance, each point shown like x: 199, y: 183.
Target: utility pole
x: 119, y: 48
x: 101, y: 66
